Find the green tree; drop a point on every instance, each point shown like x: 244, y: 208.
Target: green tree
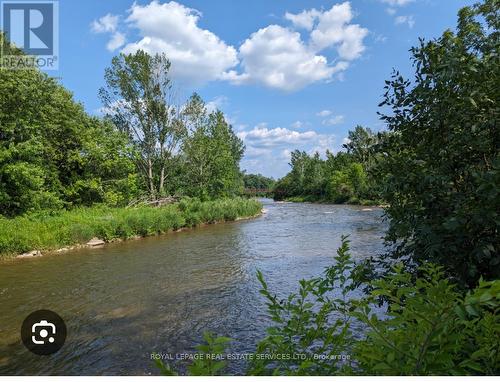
x: 314, y: 179
x: 52, y: 154
x: 346, y: 184
x: 298, y: 161
x: 140, y: 99
x: 361, y: 142
x: 443, y: 157
x: 211, y: 153
x: 258, y: 182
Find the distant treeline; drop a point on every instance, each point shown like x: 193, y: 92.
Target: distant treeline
x: 258, y: 184
x: 346, y: 177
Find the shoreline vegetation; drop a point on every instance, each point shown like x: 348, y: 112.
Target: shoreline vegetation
x: 33, y: 234
x: 354, y: 202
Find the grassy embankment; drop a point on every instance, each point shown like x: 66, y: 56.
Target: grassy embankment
x: 49, y: 232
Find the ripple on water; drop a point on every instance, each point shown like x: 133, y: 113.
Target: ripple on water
x: 126, y: 300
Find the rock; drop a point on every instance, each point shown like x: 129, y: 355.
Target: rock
x: 30, y: 254
x: 367, y: 209
x: 264, y: 211
x: 94, y: 242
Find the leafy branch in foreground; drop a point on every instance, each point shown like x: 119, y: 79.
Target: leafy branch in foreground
x: 208, y: 361
x: 425, y: 327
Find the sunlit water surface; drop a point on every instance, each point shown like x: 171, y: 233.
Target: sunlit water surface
x: 126, y: 300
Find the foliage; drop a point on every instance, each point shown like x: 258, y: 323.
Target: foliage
x: 346, y: 185
x: 139, y: 98
x: 211, y: 154
x: 360, y: 144
x: 303, y: 325
x: 442, y: 157
x: 344, y: 177
x: 430, y: 329
x: 208, y: 361
x: 258, y: 184
x: 52, y: 154
x: 51, y: 231
x: 425, y: 327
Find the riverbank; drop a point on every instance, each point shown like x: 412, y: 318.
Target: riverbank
x: 77, y: 227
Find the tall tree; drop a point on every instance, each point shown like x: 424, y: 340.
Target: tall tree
x: 211, y: 153
x: 361, y: 142
x: 140, y: 99
x: 443, y: 156
x: 52, y: 154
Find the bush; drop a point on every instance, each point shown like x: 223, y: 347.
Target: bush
x: 442, y: 158
x: 427, y: 327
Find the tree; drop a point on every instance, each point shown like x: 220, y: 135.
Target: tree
x: 211, y: 153
x: 339, y: 178
x: 360, y: 144
x: 314, y: 179
x: 139, y: 99
x: 347, y: 184
x: 298, y: 162
x: 258, y: 182
x: 443, y: 156
x: 52, y: 154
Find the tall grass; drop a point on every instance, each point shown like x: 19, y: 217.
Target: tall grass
x: 46, y: 232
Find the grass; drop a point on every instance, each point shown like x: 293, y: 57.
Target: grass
x: 65, y: 228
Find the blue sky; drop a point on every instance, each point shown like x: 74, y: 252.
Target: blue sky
x: 288, y: 74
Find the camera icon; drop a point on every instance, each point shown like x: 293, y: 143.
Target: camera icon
x: 43, y: 332
x: 40, y: 332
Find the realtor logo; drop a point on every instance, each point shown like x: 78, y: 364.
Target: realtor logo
x: 31, y: 26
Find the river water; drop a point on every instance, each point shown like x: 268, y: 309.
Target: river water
x: 126, y: 300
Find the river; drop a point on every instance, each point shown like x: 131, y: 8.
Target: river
x: 126, y: 300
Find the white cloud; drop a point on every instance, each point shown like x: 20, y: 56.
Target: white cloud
x: 396, y: 3
x: 304, y: 19
x: 117, y: 40
x: 333, y: 29
x: 297, y: 124
x: 197, y: 55
x: 286, y: 154
x: 324, y: 113
x: 216, y: 104
x: 268, y: 150
x: 256, y: 152
x: 392, y: 11
x: 273, y: 56
x: 107, y: 23
x: 261, y: 136
x: 335, y: 120
x: 276, y: 57
x: 409, y: 20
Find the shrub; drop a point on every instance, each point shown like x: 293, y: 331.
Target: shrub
x: 425, y: 326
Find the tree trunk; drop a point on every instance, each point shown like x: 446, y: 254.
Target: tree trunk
x: 150, y: 180
x: 162, y: 180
